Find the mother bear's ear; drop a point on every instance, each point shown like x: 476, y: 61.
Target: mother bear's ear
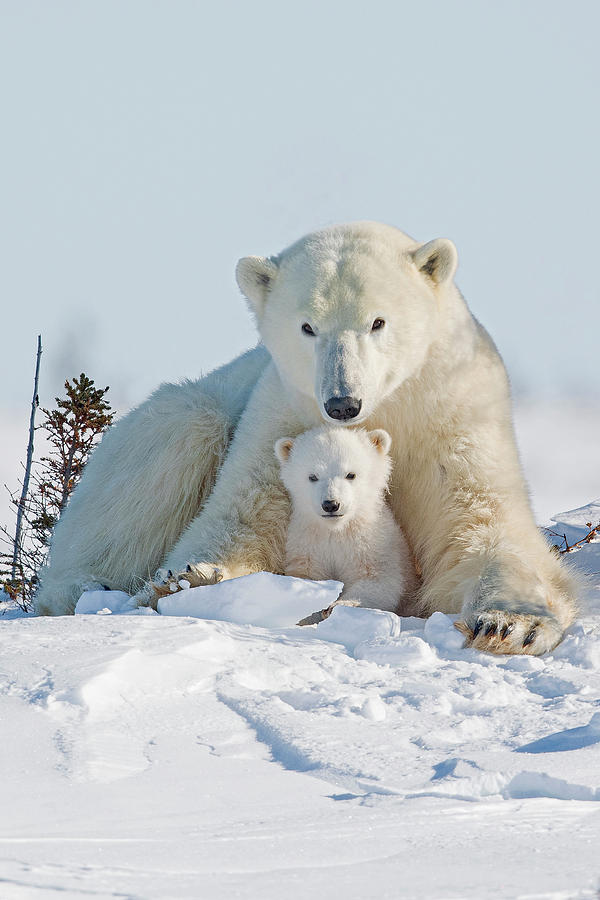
x: 255, y: 276
x: 437, y: 260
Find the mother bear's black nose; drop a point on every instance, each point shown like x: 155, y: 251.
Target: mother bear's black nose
x: 343, y: 407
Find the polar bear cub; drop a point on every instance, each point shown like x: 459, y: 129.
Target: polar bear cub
x: 341, y: 526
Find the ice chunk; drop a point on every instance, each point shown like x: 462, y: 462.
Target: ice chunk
x: 374, y: 708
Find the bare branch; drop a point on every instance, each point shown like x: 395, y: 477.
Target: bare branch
x: 23, y: 500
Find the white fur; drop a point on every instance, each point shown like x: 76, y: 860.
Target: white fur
x: 146, y: 480
x: 359, y: 543
x: 431, y: 377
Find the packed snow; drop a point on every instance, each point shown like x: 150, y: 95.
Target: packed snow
x: 219, y: 750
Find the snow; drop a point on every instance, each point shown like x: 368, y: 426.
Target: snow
x: 580, y: 518
x: 219, y: 750
x: 265, y: 600
x: 103, y: 602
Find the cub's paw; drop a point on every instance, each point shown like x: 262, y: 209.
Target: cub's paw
x: 167, y: 582
x: 497, y: 631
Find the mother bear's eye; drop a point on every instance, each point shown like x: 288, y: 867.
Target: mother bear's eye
x: 377, y: 324
x: 307, y: 329
x: 312, y: 478
x: 351, y: 476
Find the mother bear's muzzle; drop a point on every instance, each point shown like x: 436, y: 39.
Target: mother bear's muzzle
x: 342, y: 408
x: 341, y: 375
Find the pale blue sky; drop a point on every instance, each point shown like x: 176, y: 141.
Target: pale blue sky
x: 146, y: 145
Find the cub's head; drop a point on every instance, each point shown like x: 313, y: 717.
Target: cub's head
x: 349, y: 313
x: 333, y: 475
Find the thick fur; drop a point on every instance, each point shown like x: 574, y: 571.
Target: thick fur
x: 431, y: 377
x: 145, y: 482
x: 359, y: 543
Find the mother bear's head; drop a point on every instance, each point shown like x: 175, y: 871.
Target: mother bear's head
x: 348, y: 313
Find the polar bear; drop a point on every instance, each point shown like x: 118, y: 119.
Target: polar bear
x: 340, y: 526
x: 360, y: 325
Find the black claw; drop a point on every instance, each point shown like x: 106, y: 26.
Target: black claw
x: 188, y: 568
x: 507, y: 629
x: 169, y: 574
x: 492, y: 628
x: 478, y: 627
x: 529, y: 637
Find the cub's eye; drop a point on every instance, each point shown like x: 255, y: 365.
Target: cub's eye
x: 312, y: 478
x: 307, y: 329
x: 377, y: 324
x: 351, y: 476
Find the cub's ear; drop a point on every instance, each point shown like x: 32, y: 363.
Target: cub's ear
x: 255, y: 276
x: 380, y: 440
x: 283, y: 448
x: 436, y: 260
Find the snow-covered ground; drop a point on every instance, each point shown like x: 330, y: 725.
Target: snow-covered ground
x: 220, y: 751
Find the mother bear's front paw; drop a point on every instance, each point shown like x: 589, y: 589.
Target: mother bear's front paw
x: 498, y: 631
x: 167, y: 582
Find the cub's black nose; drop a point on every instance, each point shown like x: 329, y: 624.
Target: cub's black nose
x: 330, y: 506
x: 342, y: 408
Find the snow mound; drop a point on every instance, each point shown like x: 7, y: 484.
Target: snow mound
x: 579, y: 518
x: 103, y: 603
x: 263, y: 599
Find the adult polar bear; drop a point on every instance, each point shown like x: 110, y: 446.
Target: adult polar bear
x: 362, y: 326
